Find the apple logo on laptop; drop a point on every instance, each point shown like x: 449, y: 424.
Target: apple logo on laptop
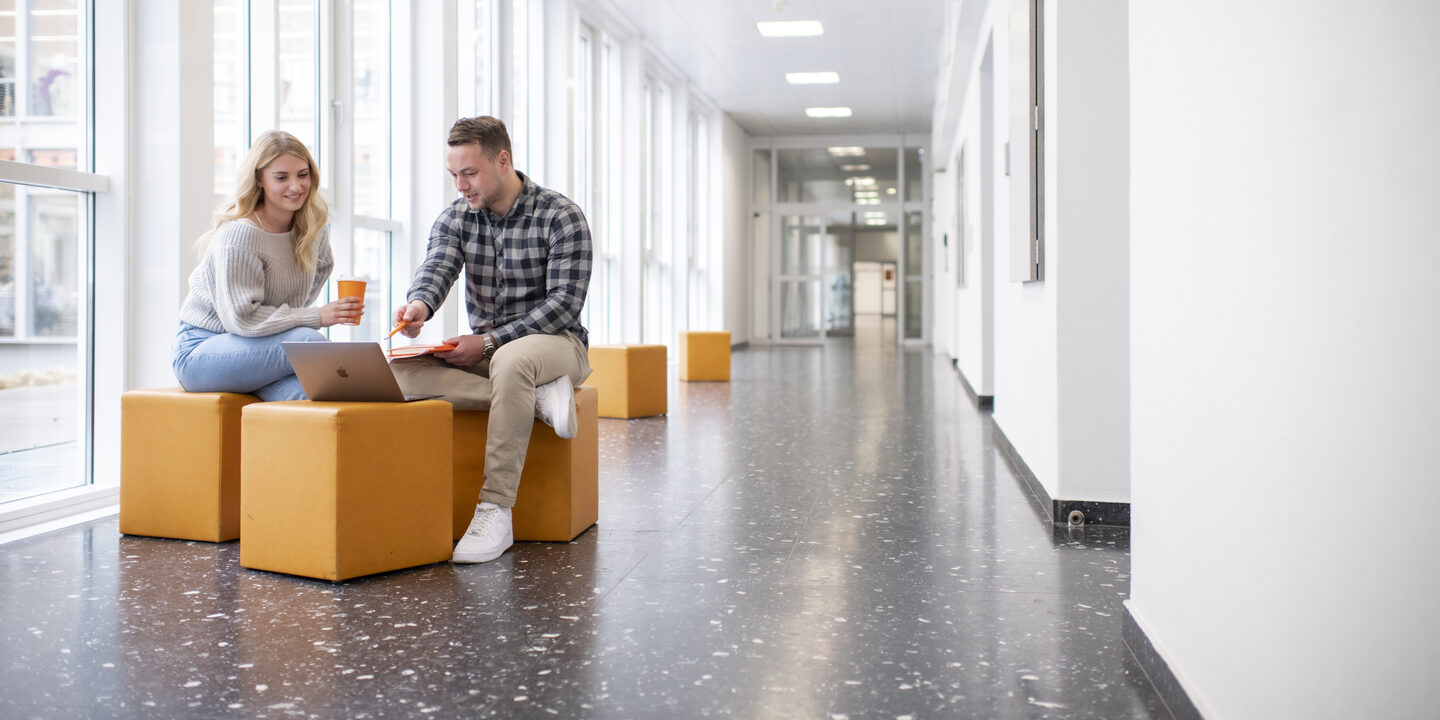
x: 341, y: 372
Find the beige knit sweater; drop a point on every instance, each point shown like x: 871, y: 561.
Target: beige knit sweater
x: 250, y: 284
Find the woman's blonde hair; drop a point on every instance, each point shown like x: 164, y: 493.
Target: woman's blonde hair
x: 309, y: 220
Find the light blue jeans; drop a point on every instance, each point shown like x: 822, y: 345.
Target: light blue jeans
x: 223, y: 362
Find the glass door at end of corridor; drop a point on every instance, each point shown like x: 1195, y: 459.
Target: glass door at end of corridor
x: 798, y: 281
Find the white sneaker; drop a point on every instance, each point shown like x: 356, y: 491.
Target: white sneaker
x: 489, y: 534
x: 555, y: 404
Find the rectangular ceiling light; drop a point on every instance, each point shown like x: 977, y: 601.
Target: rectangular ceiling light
x: 875, y: 221
x: 854, y: 168
x: 851, y: 151
x: 827, y: 112
x: 794, y: 28
x: 812, y: 78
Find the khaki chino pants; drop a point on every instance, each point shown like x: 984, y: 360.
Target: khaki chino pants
x: 505, y: 386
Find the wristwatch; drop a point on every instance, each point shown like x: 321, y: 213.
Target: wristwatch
x: 489, y: 345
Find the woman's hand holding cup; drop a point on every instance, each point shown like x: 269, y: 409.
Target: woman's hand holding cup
x: 348, y: 288
x: 346, y: 310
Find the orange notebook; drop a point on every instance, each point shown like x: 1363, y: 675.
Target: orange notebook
x: 417, y: 350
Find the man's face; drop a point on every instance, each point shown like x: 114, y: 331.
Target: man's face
x: 476, y: 176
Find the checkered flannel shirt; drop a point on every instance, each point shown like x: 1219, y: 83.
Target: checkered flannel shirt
x: 525, y: 273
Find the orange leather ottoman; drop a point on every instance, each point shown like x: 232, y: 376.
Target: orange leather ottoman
x: 336, y: 490
x: 180, y: 464
x: 630, y: 379
x: 704, y: 356
x: 559, y: 494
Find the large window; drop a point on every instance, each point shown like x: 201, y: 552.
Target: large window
x: 45, y: 246
x: 598, y: 176
x: 42, y: 83
x: 526, y: 85
x: 352, y: 142
x: 658, y: 183
x: 232, y: 111
x: 519, y: 120
x: 369, y: 249
x: 698, y: 226
x: 610, y: 169
x: 370, y: 93
x: 298, y: 97
x: 504, y: 39
x: 586, y: 153
x: 476, y: 45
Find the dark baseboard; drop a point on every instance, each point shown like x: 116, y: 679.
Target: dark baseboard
x: 744, y: 345
x: 1092, y: 513
x: 1176, y: 700
x: 982, y: 402
x: 1022, y: 471
x: 1059, y: 511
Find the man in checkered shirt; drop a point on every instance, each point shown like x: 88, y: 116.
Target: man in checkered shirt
x: 526, y: 254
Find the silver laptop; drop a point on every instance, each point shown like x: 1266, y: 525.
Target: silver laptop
x: 345, y: 372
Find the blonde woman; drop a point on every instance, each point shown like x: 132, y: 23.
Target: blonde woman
x: 262, y: 264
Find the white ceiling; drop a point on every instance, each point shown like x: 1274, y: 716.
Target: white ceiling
x: 887, y: 53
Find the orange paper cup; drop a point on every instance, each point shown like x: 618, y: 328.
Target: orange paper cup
x: 353, y: 287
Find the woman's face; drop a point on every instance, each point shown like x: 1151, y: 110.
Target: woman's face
x: 285, y: 183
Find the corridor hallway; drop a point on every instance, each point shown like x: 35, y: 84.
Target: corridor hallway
x: 831, y: 534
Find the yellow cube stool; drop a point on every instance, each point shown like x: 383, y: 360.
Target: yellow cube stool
x: 559, y: 494
x: 180, y: 464
x: 336, y: 490
x: 704, y: 356
x: 630, y: 378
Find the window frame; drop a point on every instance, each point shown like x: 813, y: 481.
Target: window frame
x: 88, y: 185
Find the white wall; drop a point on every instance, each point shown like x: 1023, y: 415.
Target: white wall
x: 972, y: 306
x: 1284, y: 353
x: 943, y: 259
x: 964, y: 321
x: 1090, y: 227
x: 980, y: 370
x: 965, y: 308
x: 1052, y: 353
x: 1026, y: 362
x: 735, y: 181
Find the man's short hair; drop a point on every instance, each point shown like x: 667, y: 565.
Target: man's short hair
x: 488, y: 132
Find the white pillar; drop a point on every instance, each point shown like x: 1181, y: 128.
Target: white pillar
x: 172, y: 118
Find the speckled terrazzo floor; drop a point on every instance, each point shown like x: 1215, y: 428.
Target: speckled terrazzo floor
x: 831, y: 534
